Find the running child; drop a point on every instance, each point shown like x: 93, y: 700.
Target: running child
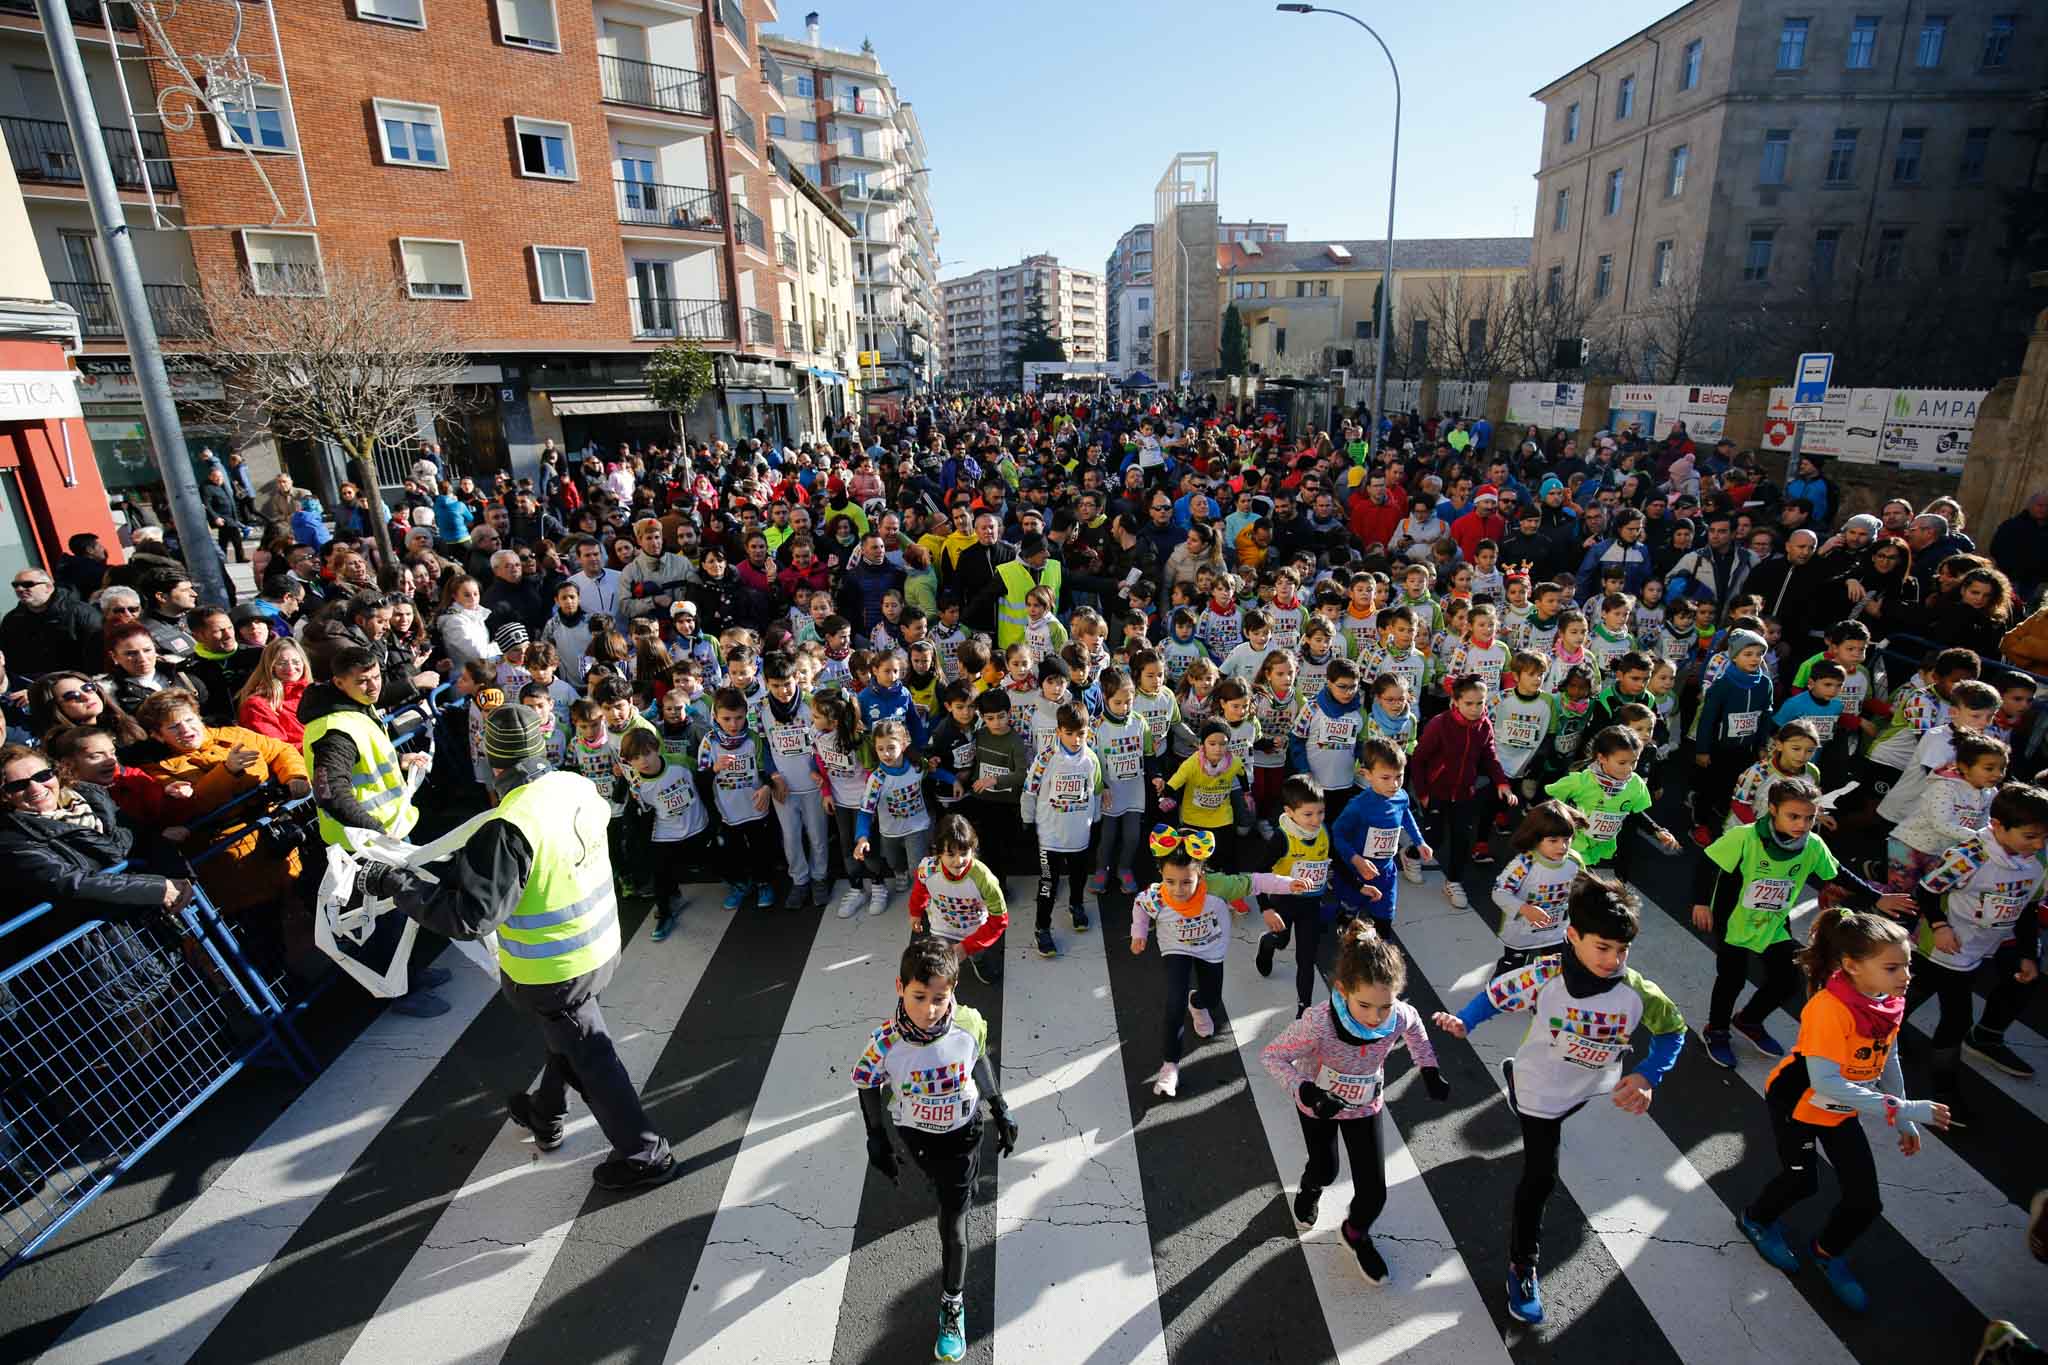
x: 845, y: 762
x: 681, y: 830
x: 1789, y: 755
x: 1534, y: 888
x: 1120, y: 737
x: 1953, y: 806
x: 1324, y: 743
x: 955, y: 897
x: 1204, y: 788
x: 782, y: 718
x: 1366, y: 842
x: 1455, y: 765
x: 1612, y: 796
x: 1061, y: 800
x: 732, y: 769
x: 894, y: 820
x: 1299, y: 849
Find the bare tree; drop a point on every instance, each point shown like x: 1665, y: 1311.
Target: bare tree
x: 347, y: 357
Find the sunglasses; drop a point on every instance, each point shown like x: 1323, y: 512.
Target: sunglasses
x: 22, y: 784
x: 26, y: 587
x: 77, y: 694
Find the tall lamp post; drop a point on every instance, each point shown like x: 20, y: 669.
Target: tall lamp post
x: 1379, y: 372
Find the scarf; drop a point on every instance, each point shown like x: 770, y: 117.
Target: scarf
x: 1581, y: 980
x: 912, y: 1033
x: 1392, y: 726
x: 784, y: 715
x: 1192, y: 906
x: 1776, y: 844
x: 1877, y: 1017
x: 1611, y: 786
x: 1350, y: 1028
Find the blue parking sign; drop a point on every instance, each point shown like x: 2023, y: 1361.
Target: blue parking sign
x: 1810, y: 381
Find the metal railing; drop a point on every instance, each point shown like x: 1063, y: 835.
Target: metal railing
x: 796, y: 335
x: 747, y: 226
x: 41, y: 151
x: 771, y: 70
x: 740, y: 124
x: 867, y: 106
x: 729, y: 15
x: 173, y: 307
x: 759, y: 326
x: 679, y: 206
x: 693, y: 319
x: 787, y: 245
x: 674, y: 88
x: 82, y: 12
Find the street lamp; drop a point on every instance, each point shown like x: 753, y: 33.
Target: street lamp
x: 1379, y: 372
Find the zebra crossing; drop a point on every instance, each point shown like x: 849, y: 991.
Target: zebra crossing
x: 390, y: 1211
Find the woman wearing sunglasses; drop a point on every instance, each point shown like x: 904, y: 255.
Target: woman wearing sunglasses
x: 58, y: 841
x: 59, y: 699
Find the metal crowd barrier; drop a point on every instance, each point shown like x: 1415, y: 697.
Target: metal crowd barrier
x: 111, y: 1035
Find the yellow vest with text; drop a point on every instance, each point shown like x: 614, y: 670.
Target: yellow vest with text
x: 1017, y: 582
x: 376, y: 779
x: 567, y: 922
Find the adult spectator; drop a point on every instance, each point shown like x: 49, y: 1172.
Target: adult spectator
x: 275, y: 503
x: 597, y: 583
x: 1625, y: 548
x: 1483, y: 522
x: 50, y: 627
x: 67, y: 698
x: 1374, y: 514
x: 1527, y: 546
x: 513, y: 596
x: 1978, y: 618
x: 1897, y: 514
x: 2020, y: 546
x: 1819, y: 491
x: 463, y: 624
x: 865, y: 581
x: 1324, y: 530
x: 484, y: 542
x: 61, y: 840
x: 1803, y: 592
x: 1418, y: 531
x: 1932, y: 541
x: 654, y: 579
x: 1717, y: 571
x: 724, y: 602
x: 282, y: 597
x: 269, y: 701
x: 529, y: 522
x: 139, y: 673
x: 976, y: 567
x: 83, y: 570
x: 1199, y: 549
x: 452, y: 517
x: 217, y: 500
x: 168, y: 595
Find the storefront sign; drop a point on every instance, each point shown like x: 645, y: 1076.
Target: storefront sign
x: 111, y: 379
x: 38, y: 395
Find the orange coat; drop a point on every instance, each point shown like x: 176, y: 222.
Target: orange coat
x: 2026, y: 644
x: 245, y: 875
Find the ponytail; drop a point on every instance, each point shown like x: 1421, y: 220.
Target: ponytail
x: 1843, y: 935
x: 1366, y: 959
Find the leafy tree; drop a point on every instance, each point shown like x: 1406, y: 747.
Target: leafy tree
x: 1234, y: 352
x: 678, y: 376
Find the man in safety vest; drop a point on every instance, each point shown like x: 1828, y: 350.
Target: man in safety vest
x: 1033, y: 567
x: 359, y: 783
x: 537, y: 872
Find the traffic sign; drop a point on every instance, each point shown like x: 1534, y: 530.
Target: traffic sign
x: 1810, y: 380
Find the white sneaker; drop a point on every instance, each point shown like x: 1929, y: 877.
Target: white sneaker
x: 878, y: 899
x: 901, y: 881
x: 1205, y: 1027
x: 1455, y: 894
x: 849, y: 903
x: 1167, y: 1082
x: 1411, y: 869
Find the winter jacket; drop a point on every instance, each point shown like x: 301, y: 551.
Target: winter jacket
x: 1374, y: 522
x: 1476, y: 526
x: 1451, y: 758
x: 279, y: 719
x: 64, y: 634
x: 51, y: 860
x: 249, y: 872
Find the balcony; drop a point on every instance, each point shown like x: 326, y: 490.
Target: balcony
x: 772, y: 77
x: 646, y: 204
x: 796, y: 335
x: 862, y: 153
x: 688, y: 319
x: 870, y: 107
x: 81, y: 11
x: 760, y: 328
x: 174, y: 308
x: 740, y: 124
x: 747, y: 226
x: 669, y: 88
x: 786, y: 244
x: 733, y: 24
x: 42, y: 154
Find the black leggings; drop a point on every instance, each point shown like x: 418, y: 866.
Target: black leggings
x: 1304, y: 916
x: 1952, y: 987
x: 1207, y: 979
x: 1731, y: 974
x: 1540, y: 1140
x: 1362, y: 1148
x: 1052, y: 865
x: 858, y: 870
x: 1798, y: 1178
x: 952, y: 1161
x: 1451, y: 826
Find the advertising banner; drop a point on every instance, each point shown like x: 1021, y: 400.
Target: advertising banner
x: 1929, y: 428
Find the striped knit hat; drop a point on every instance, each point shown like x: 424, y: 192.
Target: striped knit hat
x: 512, y: 735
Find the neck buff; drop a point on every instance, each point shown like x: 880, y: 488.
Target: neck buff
x: 1393, y: 726
x: 918, y: 1035
x: 1351, y: 1026
x: 1776, y: 844
x: 1877, y: 1017
x: 1287, y: 823
x: 1581, y: 980
x: 1191, y: 907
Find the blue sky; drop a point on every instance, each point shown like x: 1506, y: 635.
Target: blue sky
x: 1049, y: 122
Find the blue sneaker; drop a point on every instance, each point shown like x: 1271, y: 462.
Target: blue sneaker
x: 952, y: 1341
x: 1842, y: 1280
x: 735, y: 898
x: 664, y: 925
x: 764, y: 896
x: 1769, y: 1241
x: 1525, y: 1296
x: 1046, y: 946
x: 1720, y: 1047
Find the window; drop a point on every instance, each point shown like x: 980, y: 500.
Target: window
x: 1241, y: 290
x: 854, y: 143
x: 1660, y: 264
x: 1571, y: 124
x: 1144, y: 304
x: 1475, y: 335
x: 1998, y: 39
x: 1553, y: 285
x: 411, y: 134
x: 1842, y: 157
x: 262, y: 126
x: 778, y: 126
x: 564, y: 273
x: 807, y: 130
x: 1419, y: 337
x: 1933, y: 34
x: 283, y: 262
x: 1614, y: 183
x: 1259, y: 290
x: 807, y: 87
x: 433, y: 269
x: 1674, y: 183
x: 1625, y: 97
x: 1756, y: 263
x: 547, y: 150
x: 1562, y: 217
x: 1826, y: 244
x: 1777, y: 152
x: 1603, y: 277
x: 1279, y: 341
x: 1689, y: 66
x: 529, y: 23
x: 1906, y: 165
x: 1891, y: 254
x: 1955, y: 250
x: 1862, y: 55
x: 1976, y: 147
x: 410, y: 13
x: 1792, y: 44
x: 1361, y: 330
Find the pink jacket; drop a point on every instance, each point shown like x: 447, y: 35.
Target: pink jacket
x: 1313, y: 1049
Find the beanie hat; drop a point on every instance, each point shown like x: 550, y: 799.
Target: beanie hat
x: 1865, y: 522
x: 1549, y: 482
x: 1053, y: 666
x: 512, y: 735
x: 511, y: 635
x: 1739, y: 640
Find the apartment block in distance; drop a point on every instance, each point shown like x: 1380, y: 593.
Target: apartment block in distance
x: 1127, y: 302
x: 1783, y: 150
x: 986, y: 313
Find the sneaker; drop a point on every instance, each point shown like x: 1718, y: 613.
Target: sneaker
x: 1265, y: 829
x: 1411, y: 870
x: 546, y: 1136
x: 431, y: 978
x: 420, y: 1005
x: 1719, y: 1048
x: 900, y: 882
x: 1525, y: 1295
x: 2003, y: 1342
x: 878, y: 899
x: 622, y: 1174
x: 1455, y: 894
x: 1264, y: 961
x: 1167, y: 1082
x: 664, y: 925
x: 1835, y: 1270
x: 1758, y: 1038
x: 1769, y: 1241
x: 821, y: 892
x: 764, y: 897
x: 952, y: 1340
x: 799, y: 895
x: 988, y: 965
x: 1046, y: 947
x: 1127, y: 883
x: 849, y: 902
x: 1098, y: 883
x: 1481, y: 854
x: 1991, y: 1048
x: 734, y: 898
x: 1371, y: 1264
x: 1205, y: 1027
x: 1081, y: 920
x: 1308, y: 1202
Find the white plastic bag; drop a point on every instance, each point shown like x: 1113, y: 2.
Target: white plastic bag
x: 334, y: 919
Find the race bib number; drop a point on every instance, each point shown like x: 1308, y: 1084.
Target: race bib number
x: 1522, y: 732
x: 935, y: 1114
x: 789, y: 742
x: 1824, y: 726
x: 1210, y: 798
x: 1070, y: 792
x: 1769, y: 894
x: 1742, y: 724
x: 995, y: 770
x: 2001, y: 907
x: 1381, y: 844
x: 1191, y: 931
x: 1354, y: 1090
x: 1591, y: 1053
x: 1603, y: 825
x: 737, y: 775
x: 1314, y: 873
x: 1341, y: 735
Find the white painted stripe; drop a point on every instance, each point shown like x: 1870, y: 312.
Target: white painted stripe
x: 1074, y: 1275
x: 2028, y: 1095
x: 163, y: 1306
x: 774, y: 1266
x: 1429, y: 1311
x: 469, y: 1286
x: 1642, y: 1197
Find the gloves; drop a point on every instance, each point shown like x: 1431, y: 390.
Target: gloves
x: 378, y: 881
x: 1006, y: 1127
x: 881, y: 1153
x: 641, y: 587
x: 1319, y: 1101
x: 1434, y: 1082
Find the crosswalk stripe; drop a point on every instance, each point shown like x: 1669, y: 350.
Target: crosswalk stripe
x: 1610, y: 1160
x: 165, y: 1304
x: 1074, y: 1272
x: 2028, y: 1095
x: 1430, y: 1311
x: 464, y: 1293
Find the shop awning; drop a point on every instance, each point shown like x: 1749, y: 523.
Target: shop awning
x: 832, y: 375
x: 599, y: 406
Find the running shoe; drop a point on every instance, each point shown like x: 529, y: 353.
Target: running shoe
x: 821, y: 893
x: 1371, y: 1264
x: 1205, y: 1026
x: 1411, y: 869
x: 1264, y: 961
x: 622, y: 1175
x: 799, y: 895
x: 1167, y: 1082
x: 1046, y: 946
x: 1081, y: 920
x: 1841, y: 1279
x: 764, y: 897
x: 735, y: 898
x: 849, y: 902
x: 1308, y: 1203
x: 1991, y: 1048
x: 1099, y: 882
x: 1481, y: 854
x: 1127, y: 883
x: 1525, y: 1295
x: 1719, y: 1047
x: 546, y: 1136
x: 1455, y: 894
x: 418, y: 1004
x: 664, y: 925
x: 431, y: 977
x: 1757, y: 1036
x: 1769, y: 1241
x: 878, y: 899
x: 952, y: 1341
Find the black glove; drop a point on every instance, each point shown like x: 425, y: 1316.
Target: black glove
x: 1006, y: 1127
x: 1319, y: 1101
x: 378, y: 881
x: 882, y: 1153
x: 1434, y: 1082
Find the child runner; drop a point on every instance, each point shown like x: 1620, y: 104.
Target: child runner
x: 1790, y: 755
x: 954, y: 896
x: 1324, y: 743
x: 894, y: 818
x: 782, y: 718
x: 1455, y: 763
x: 1954, y: 805
x: 1533, y: 890
x: 681, y: 827
x: 1298, y: 849
x: 732, y: 773
x: 1062, y: 797
x: 1120, y: 737
x: 1365, y: 843
x: 1728, y: 729
x: 845, y: 762
x: 1611, y: 794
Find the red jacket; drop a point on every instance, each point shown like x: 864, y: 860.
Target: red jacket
x: 280, y: 721
x: 1374, y: 523
x: 1452, y: 756
x: 1472, y: 528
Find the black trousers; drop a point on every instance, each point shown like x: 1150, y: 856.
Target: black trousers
x: 1958, y: 1002
x: 1731, y: 974
x: 1450, y: 826
x: 1006, y: 845
x: 1362, y: 1148
x: 1052, y: 865
x: 1541, y: 1139
x: 951, y: 1161
x: 1207, y: 979
x: 1304, y: 916
x: 674, y: 861
x: 1798, y: 1177
x: 753, y: 851
x: 230, y: 534
x: 581, y: 1057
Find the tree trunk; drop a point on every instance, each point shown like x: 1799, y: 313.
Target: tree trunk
x: 364, y: 469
